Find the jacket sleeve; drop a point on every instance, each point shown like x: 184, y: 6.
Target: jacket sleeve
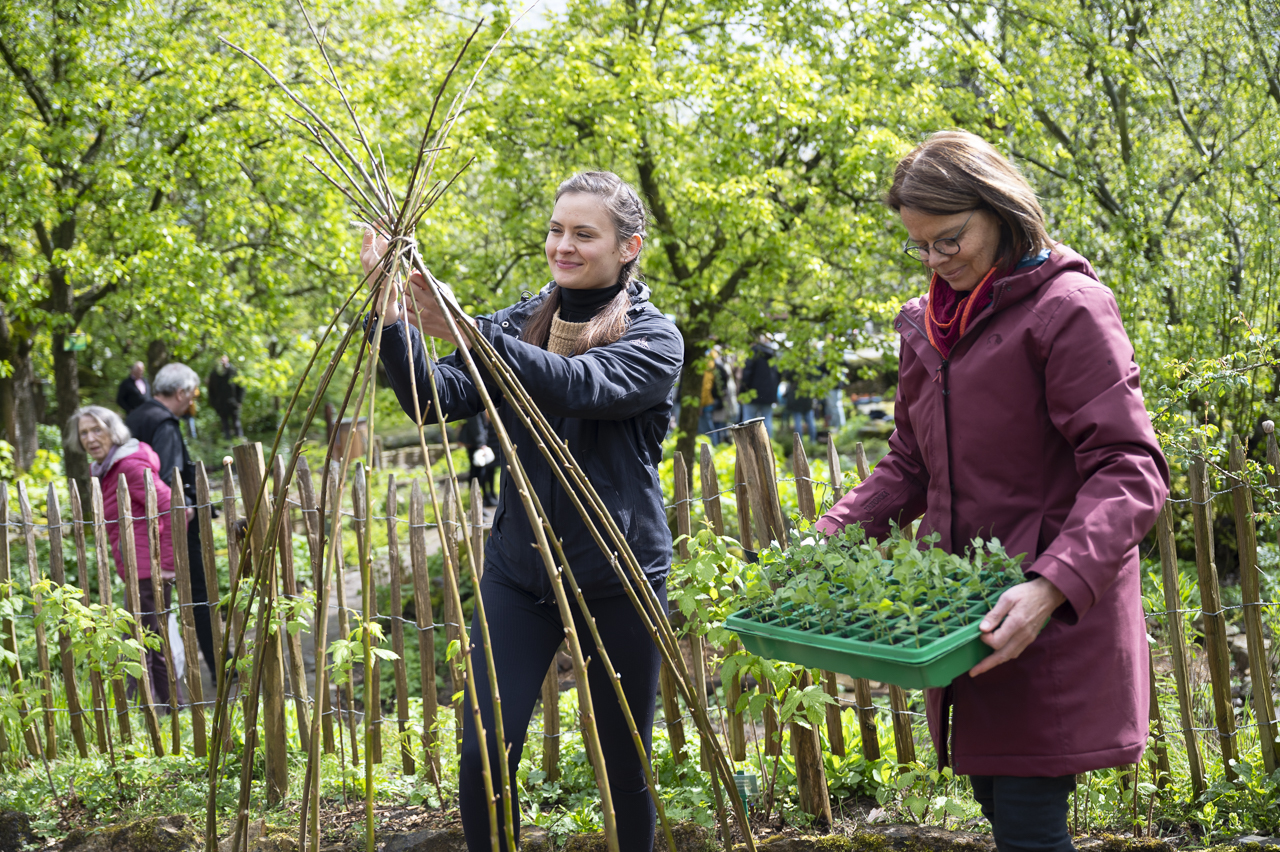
x: 897, y: 489
x: 167, y: 442
x: 1095, y: 400
x: 404, y: 358
x: 613, y: 382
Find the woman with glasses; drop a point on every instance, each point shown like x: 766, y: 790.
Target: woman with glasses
x: 1020, y: 417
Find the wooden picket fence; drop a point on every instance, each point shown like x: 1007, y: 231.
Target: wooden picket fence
x: 759, y: 518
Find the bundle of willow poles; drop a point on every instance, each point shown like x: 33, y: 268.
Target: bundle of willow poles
x: 359, y: 171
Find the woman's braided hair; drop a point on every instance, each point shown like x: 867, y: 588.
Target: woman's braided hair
x: 629, y: 217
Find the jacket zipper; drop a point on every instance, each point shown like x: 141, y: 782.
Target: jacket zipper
x: 944, y: 375
x: 945, y: 371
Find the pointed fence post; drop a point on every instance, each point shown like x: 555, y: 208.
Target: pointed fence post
x: 669, y: 692
x: 395, y: 610
x: 315, y: 533
x: 869, y: 733
x: 101, y: 544
x: 10, y: 634
x: 769, y: 715
x: 1251, y: 597
x: 372, y: 677
x: 42, y: 645
x: 58, y: 574
x: 186, y: 617
x: 809, y: 510
x: 1178, y: 643
x: 289, y: 587
x: 333, y: 503
x: 204, y: 517
x: 97, y: 694
x: 1215, y: 625
x: 714, y: 514
x: 128, y: 550
x: 551, y: 722
x: 697, y: 645
x: 253, y: 473
x: 426, y: 627
x: 452, y: 617
x: 162, y: 609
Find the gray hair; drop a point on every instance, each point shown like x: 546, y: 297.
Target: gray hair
x: 173, y: 378
x: 109, y: 419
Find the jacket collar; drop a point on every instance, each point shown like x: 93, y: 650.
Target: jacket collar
x: 637, y: 290
x: 1008, y: 291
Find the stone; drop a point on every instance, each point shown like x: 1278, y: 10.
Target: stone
x: 428, y: 840
x: 15, y: 831
x: 264, y: 838
x: 154, y: 834
x: 1256, y: 840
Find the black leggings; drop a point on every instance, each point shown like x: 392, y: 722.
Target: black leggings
x: 525, y: 635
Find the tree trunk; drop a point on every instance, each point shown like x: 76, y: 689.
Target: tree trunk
x: 18, y: 409
x: 689, y: 394
x: 66, y: 372
x: 157, y: 357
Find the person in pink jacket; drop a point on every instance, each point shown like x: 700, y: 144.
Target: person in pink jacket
x: 1020, y: 416
x: 101, y: 434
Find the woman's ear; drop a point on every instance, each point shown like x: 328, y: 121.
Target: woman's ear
x: 631, y: 248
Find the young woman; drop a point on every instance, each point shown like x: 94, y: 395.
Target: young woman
x: 1020, y: 416
x: 601, y: 362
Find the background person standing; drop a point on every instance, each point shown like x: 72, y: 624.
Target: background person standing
x: 134, y: 388
x: 761, y: 375
x: 155, y: 422
x: 226, y: 395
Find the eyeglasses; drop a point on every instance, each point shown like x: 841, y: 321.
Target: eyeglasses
x: 947, y: 246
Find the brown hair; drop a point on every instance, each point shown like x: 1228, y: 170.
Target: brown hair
x: 953, y: 171
x: 629, y: 217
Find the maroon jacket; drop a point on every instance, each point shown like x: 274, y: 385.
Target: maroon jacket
x: 1034, y: 432
x: 133, y: 460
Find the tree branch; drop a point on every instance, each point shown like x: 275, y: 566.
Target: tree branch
x: 28, y: 81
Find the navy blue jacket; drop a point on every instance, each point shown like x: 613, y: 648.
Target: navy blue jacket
x: 611, y: 405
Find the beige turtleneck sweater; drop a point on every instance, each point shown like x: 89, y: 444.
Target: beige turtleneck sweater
x: 563, y: 339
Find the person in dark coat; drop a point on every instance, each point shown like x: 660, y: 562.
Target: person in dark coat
x: 156, y: 422
x: 134, y: 388
x: 760, y: 374
x: 474, y: 435
x: 800, y: 409
x: 1020, y: 416
x: 226, y: 395
x: 600, y: 361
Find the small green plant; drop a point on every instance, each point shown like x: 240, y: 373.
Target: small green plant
x: 894, y: 591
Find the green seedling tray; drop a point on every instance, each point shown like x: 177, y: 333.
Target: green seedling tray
x: 936, y: 661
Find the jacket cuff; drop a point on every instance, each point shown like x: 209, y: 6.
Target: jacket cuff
x: 1079, y: 595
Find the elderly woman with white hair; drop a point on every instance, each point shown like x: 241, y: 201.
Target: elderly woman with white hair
x: 100, y: 433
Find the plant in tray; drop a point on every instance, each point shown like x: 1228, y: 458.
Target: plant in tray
x: 895, y: 591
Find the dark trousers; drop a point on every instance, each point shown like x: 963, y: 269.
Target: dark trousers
x: 1026, y: 814
x: 525, y: 635
x: 231, y: 427
x: 200, y: 598
x: 154, y: 619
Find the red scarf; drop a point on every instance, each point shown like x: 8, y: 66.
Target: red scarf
x: 948, y: 313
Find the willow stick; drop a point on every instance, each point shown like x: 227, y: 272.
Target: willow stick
x: 186, y: 618
x: 645, y: 600
x: 714, y: 514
